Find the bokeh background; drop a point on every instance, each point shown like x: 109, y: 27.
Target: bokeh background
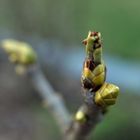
x: 55, y: 29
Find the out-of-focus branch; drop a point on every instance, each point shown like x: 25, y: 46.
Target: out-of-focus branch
x: 24, y: 58
x: 51, y: 99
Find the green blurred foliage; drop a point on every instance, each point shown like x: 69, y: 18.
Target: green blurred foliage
x: 70, y: 20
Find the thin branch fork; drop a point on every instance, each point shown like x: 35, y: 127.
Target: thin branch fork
x: 81, y: 130
x: 72, y: 129
x: 90, y: 113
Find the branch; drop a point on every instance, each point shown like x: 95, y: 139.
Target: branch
x: 85, y: 120
x: 98, y: 94
x: 24, y: 58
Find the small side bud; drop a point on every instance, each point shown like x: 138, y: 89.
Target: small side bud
x: 106, y: 95
x: 80, y: 116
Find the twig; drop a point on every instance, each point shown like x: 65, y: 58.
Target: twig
x: 98, y: 95
x: 80, y: 130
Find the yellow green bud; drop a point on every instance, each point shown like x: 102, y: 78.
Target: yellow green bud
x: 19, y: 52
x: 80, y: 116
x: 106, y: 95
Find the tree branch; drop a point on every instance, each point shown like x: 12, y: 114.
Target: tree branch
x: 80, y: 130
x: 98, y: 94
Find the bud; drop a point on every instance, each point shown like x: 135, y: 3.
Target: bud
x: 19, y: 52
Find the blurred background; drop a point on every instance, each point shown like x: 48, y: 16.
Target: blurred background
x: 56, y: 29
